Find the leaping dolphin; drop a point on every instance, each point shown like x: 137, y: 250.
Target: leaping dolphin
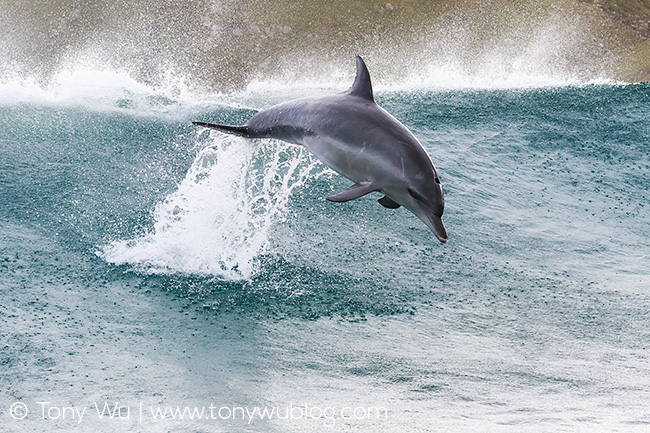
x: 357, y: 138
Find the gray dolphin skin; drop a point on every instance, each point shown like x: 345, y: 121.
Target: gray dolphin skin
x: 358, y: 139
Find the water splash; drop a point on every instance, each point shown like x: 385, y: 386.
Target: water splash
x: 218, y: 220
x: 101, y: 88
x: 225, y: 46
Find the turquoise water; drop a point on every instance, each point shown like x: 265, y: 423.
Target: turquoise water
x: 148, y: 263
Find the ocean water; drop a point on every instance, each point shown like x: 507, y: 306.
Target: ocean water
x: 148, y: 264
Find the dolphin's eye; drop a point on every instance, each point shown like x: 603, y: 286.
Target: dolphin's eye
x: 437, y: 180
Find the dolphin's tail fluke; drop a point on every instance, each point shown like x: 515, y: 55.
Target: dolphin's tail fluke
x: 229, y: 129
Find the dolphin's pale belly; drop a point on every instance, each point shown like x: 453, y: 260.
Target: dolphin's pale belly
x: 354, y: 161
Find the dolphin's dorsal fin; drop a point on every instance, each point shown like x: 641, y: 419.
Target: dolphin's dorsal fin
x: 362, y: 87
x: 357, y: 190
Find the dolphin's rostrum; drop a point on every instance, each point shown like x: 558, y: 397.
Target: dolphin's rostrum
x: 361, y: 141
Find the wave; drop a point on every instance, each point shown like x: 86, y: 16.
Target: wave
x: 105, y: 89
x: 102, y: 89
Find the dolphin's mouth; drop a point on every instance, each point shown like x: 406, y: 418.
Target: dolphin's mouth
x: 437, y: 227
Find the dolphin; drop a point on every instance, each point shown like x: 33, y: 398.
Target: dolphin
x: 358, y: 139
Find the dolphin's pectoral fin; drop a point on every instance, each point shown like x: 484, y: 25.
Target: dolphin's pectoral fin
x: 355, y: 191
x: 386, y: 202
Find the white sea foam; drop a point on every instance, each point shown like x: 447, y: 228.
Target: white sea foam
x: 495, y: 73
x: 218, y: 220
x: 500, y: 77
x: 89, y: 84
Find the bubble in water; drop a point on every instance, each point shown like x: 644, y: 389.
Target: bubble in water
x: 218, y: 220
